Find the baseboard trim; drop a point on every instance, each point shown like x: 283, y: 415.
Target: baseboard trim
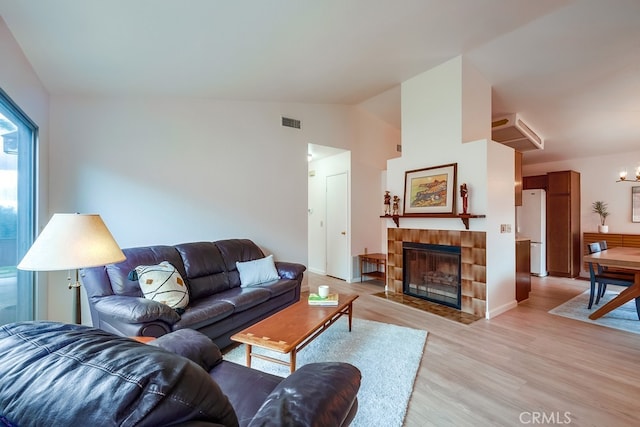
x: 503, y: 308
x: 313, y: 270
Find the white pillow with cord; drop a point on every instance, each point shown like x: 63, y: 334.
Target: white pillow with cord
x: 162, y: 283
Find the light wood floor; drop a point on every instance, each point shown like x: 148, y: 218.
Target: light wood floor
x: 523, y: 364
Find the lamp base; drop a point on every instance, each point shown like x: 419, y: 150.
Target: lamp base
x: 78, y: 308
x: 77, y: 311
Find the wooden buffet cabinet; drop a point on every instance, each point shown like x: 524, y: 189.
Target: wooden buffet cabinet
x: 613, y: 240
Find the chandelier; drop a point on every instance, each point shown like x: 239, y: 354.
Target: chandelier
x: 623, y: 175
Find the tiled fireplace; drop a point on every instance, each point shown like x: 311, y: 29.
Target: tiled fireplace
x: 472, y: 246
x: 432, y: 272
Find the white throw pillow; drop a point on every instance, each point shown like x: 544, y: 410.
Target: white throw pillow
x: 257, y: 271
x: 163, y: 283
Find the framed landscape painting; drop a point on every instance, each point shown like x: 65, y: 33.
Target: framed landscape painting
x: 430, y: 190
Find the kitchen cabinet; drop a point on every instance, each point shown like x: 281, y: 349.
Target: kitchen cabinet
x: 518, y: 178
x: 564, y: 252
x: 523, y: 269
x: 534, y: 182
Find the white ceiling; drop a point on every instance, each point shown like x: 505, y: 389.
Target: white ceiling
x: 570, y: 67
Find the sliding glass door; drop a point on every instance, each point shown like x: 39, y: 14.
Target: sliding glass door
x: 17, y: 210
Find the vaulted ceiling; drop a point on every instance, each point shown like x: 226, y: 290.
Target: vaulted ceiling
x: 571, y: 68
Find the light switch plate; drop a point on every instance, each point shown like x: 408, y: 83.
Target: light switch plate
x: 505, y: 228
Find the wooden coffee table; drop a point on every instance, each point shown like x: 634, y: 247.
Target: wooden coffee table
x: 291, y: 329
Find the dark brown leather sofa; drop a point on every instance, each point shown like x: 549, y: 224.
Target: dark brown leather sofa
x: 218, y: 307
x: 55, y: 374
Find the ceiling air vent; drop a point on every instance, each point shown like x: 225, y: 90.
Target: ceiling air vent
x: 291, y: 123
x: 511, y: 131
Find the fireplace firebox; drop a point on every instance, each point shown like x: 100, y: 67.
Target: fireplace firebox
x: 432, y: 272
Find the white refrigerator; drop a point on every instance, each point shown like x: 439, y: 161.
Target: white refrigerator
x: 531, y: 224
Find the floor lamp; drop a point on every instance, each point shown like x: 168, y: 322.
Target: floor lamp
x: 70, y: 242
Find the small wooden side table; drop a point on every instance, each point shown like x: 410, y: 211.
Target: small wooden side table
x: 377, y: 259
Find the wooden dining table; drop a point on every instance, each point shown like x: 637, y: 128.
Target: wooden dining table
x: 620, y: 257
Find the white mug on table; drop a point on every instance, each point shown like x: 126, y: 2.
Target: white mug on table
x: 323, y: 291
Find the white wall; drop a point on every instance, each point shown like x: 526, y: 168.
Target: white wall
x: 476, y: 114
x: 432, y: 135
x: 437, y: 114
x: 501, y: 256
x: 171, y: 170
x: 373, y: 143
x: 598, y: 177
x: 23, y: 86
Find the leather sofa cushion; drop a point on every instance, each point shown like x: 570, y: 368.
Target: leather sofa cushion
x: 205, y: 269
x: 244, y: 298
x: 136, y: 310
x: 233, y: 250
x: 278, y: 288
x: 286, y: 406
x: 191, y: 344
x: 62, y: 374
x: 236, y: 379
x: 203, y: 312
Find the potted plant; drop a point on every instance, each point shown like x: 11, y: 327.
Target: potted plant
x: 600, y: 208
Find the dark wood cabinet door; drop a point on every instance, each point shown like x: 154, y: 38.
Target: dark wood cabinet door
x: 559, y: 242
x: 564, y: 252
x: 559, y: 182
x: 523, y: 269
x: 534, y: 182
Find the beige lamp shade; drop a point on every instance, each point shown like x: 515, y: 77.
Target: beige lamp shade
x: 72, y: 241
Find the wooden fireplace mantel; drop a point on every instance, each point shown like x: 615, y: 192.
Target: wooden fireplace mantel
x: 463, y: 217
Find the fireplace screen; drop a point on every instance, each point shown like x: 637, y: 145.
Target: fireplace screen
x: 432, y: 272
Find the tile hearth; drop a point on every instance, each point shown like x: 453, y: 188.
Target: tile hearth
x: 430, y: 307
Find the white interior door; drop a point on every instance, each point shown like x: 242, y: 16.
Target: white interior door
x: 337, y: 232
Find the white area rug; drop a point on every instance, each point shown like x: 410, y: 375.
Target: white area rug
x: 387, y: 355
x: 624, y: 317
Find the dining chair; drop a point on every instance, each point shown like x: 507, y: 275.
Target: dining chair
x: 603, y: 278
x: 625, y: 274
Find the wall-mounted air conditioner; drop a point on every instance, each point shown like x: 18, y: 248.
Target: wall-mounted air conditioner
x: 510, y: 130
